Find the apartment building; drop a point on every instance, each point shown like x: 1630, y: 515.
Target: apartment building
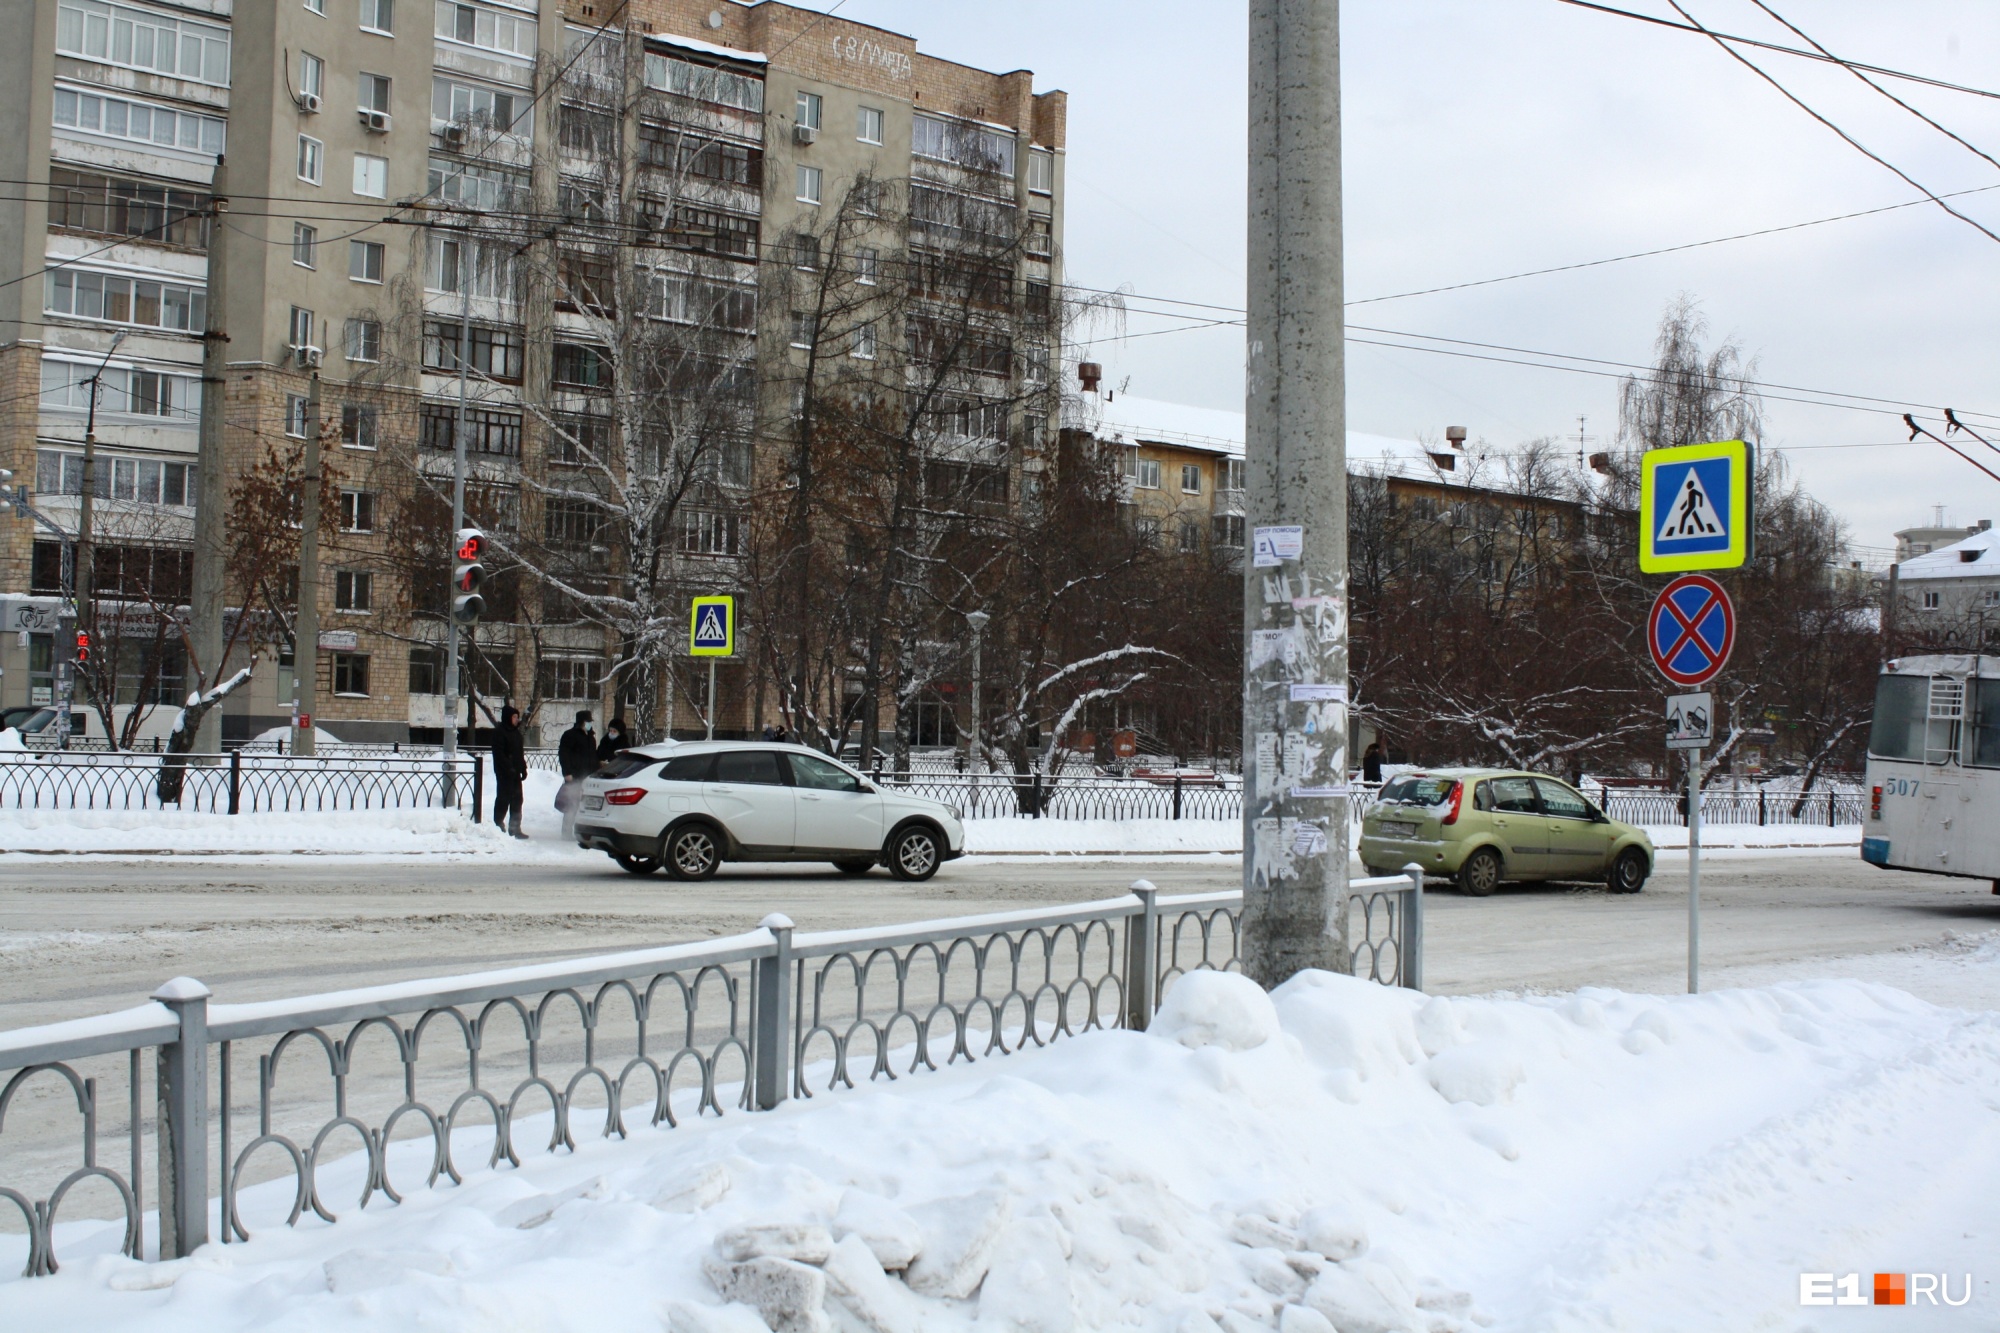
x: 404, y: 180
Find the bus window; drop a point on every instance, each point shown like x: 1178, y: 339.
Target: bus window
x: 1985, y: 748
x: 1901, y: 705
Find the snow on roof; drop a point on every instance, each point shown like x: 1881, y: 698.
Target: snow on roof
x: 706, y: 48
x: 1978, y: 556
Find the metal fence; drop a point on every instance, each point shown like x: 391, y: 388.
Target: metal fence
x: 332, y: 1099
x: 238, y: 782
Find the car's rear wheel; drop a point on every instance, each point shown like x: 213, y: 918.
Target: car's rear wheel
x: 854, y: 867
x: 1480, y: 874
x: 636, y: 865
x: 692, y: 851
x: 1629, y: 871
x: 914, y: 853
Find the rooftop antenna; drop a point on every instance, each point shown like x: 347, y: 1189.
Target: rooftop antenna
x: 1581, y: 441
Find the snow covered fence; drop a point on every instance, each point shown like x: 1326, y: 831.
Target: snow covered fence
x: 615, y: 1043
x: 239, y: 782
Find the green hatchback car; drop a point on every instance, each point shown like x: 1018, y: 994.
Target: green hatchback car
x: 1482, y: 826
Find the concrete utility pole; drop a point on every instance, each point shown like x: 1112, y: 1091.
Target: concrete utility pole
x: 458, y: 465
x: 305, y: 623
x: 211, y: 501
x: 1295, y: 806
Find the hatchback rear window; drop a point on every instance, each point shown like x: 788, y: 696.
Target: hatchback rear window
x: 624, y: 765
x: 1418, y: 791
x: 688, y: 768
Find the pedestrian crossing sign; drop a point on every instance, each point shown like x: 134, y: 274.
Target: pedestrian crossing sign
x: 1695, y: 508
x: 712, y: 627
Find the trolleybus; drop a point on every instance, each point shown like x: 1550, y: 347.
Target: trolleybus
x: 1934, y: 767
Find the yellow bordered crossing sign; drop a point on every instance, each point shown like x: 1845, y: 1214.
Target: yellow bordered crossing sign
x: 712, y: 627
x: 1696, y: 507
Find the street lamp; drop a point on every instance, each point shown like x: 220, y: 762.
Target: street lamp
x: 978, y: 621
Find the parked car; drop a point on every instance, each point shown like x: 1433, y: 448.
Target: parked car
x: 1486, y: 826
x: 28, y: 719
x: 692, y: 805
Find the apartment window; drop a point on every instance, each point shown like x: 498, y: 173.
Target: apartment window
x: 353, y: 590
x: 809, y: 180
x: 316, y: 7
x: 495, y: 353
x: 364, y: 260
x: 1993, y: 597
x: 371, y: 175
x: 807, y: 113
x: 963, y: 144
x: 486, y: 188
x: 867, y: 197
x: 122, y: 118
x: 312, y: 159
x: 705, y: 532
x: 350, y: 670
x: 378, y: 16
x: 426, y: 669
x: 805, y: 253
x: 1145, y: 472
x: 804, y: 332
x: 357, y: 511
x: 373, y: 93
x: 145, y: 392
x: 144, y: 480
x: 1930, y: 601
x: 1189, y: 536
x: 301, y: 327
x: 1041, y: 171
x: 493, y: 433
x: 295, y: 415
x: 579, y: 438
x: 868, y: 124
x: 112, y: 206
x: 364, y: 340
x: 1190, y: 479
x: 582, y: 366
x: 572, y: 679
x: 867, y: 263
x: 573, y: 523
x: 1229, y: 475
x: 862, y: 342
x: 165, y: 305
x: 305, y: 245
x: 485, y: 28
x: 144, y: 40
x: 357, y: 426
x: 476, y: 104
x: 482, y: 268
x: 1039, y: 240
x: 1228, y: 530
x: 312, y: 75
x: 1147, y: 529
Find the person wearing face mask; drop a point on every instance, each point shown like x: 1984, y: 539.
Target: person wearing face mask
x: 614, y: 740
x: 576, y: 756
x: 510, y: 770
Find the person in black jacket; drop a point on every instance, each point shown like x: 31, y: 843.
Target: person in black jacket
x: 614, y: 740
x: 576, y: 752
x: 510, y: 770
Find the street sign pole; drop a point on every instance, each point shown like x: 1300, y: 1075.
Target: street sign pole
x: 711, y: 699
x: 1694, y: 872
x: 712, y: 634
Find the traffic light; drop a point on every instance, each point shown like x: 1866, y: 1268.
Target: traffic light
x: 467, y: 574
x: 82, y: 646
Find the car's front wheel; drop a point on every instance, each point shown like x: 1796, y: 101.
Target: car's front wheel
x: 1480, y: 874
x: 636, y: 865
x: 1629, y: 871
x: 914, y: 853
x: 854, y: 867
x: 692, y: 851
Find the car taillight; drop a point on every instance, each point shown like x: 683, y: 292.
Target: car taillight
x: 625, y: 796
x: 1457, y: 799
x: 1875, y: 803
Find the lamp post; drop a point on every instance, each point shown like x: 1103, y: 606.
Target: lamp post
x: 83, y: 560
x: 978, y: 621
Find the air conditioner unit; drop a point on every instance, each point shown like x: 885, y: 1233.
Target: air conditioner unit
x: 453, y: 136
x: 309, y: 103
x: 309, y: 358
x: 805, y: 134
x: 377, y: 122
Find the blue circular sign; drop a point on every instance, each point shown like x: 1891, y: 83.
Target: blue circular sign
x: 1692, y: 630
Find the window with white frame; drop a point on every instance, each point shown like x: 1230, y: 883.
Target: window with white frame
x: 804, y: 329
x: 1144, y: 472
x: 316, y: 7
x: 372, y: 93
x: 808, y: 184
x: 378, y: 15
x: 143, y: 39
x: 572, y: 679
x: 488, y: 189
x: 482, y: 267
x: 365, y: 260
x: 305, y: 245
x: 312, y: 159
x: 364, y: 340
x: 295, y: 415
x: 1229, y: 474
x: 807, y: 111
x: 1190, y: 479
x: 1146, y: 528
x: 140, y: 122
x: 1931, y: 601
x: 478, y: 105
x: 707, y: 532
x: 1227, y: 530
x: 357, y: 426
x: 142, y: 480
x: 963, y: 143
x: 302, y: 326
x: 371, y: 175
x: 150, y: 393
x: 312, y: 75
x: 1041, y: 171
x: 122, y: 300
x: 350, y: 670
x: 357, y: 511
x: 868, y: 124
x: 861, y: 343
x: 353, y: 590
x: 867, y: 262
x: 1993, y: 597
x: 1190, y: 536
x: 490, y: 30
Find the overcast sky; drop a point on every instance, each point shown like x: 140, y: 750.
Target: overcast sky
x: 1488, y: 137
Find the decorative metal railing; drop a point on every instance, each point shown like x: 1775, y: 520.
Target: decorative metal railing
x: 238, y: 782
x: 331, y: 1099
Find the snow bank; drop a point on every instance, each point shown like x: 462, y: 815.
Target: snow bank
x: 1336, y: 1155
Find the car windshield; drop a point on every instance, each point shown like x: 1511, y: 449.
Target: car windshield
x: 1418, y: 791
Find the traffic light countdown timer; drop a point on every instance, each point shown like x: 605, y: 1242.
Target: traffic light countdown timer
x: 468, y: 572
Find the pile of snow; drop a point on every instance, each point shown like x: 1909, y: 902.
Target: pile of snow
x: 321, y: 736
x: 10, y: 740
x: 1333, y: 1156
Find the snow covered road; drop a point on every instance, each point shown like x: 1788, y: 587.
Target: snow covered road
x: 1337, y: 1155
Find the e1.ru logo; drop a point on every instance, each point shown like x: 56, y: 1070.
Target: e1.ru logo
x: 1890, y: 1289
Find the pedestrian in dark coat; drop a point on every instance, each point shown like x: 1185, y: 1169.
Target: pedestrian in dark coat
x: 576, y: 752
x: 614, y: 740
x: 1371, y: 762
x: 510, y: 770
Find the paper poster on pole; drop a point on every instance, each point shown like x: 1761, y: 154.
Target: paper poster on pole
x: 1273, y: 546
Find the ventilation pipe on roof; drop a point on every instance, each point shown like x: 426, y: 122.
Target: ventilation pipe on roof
x: 1089, y: 373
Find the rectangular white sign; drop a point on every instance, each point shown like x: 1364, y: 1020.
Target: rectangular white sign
x: 1319, y: 694
x: 1273, y: 546
x: 1690, y: 721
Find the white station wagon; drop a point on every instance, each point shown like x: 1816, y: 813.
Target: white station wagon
x: 692, y: 805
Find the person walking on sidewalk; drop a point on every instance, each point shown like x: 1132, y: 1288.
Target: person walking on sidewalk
x: 576, y: 756
x: 510, y: 770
